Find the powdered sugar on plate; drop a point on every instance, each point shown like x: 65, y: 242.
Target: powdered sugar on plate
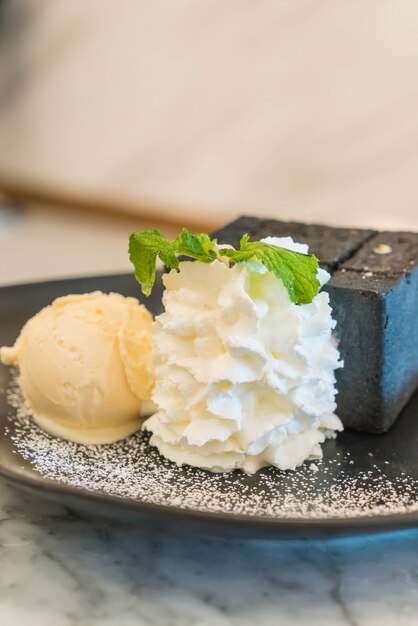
x: 134, y: 470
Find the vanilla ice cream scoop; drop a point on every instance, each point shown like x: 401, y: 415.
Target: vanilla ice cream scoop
x: 85, y: 366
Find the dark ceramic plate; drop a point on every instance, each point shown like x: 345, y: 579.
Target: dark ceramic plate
x: 365, y: 484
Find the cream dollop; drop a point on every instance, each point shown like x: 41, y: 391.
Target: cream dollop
x: 244, y: 377
x: 86, y: 367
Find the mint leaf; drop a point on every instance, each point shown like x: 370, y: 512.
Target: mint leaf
x: 200, y: 247
x: 144, y: 248
x: 297, y: 271
x: 146, y: 245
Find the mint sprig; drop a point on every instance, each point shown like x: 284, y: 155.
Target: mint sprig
x: 297, y: 271
x: 146, y: 245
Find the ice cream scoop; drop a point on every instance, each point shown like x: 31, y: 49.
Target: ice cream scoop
x: 86, y: 367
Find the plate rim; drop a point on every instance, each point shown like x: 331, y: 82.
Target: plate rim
x: 277, y: 526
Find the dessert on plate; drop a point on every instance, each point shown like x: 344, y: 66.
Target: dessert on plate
x: 374, y: 297
x: 242, y: 368
x: 244, y: 354
x: 85, y: 366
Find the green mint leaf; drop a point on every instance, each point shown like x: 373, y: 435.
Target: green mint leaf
x: 200, y: 247
x: 144, y: 248
x: 297, y: 271
x: 146, y: 245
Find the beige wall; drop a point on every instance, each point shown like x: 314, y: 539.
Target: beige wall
x: 300, y: 108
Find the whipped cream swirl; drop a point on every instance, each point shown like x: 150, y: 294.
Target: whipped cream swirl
x: 244, y: 377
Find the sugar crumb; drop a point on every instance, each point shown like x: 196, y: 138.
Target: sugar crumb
x: 132, y: 469
x: 382, y: 248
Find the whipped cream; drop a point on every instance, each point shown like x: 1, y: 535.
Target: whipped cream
x: 244, y: 377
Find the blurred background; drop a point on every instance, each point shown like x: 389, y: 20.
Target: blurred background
x: 115, y: 116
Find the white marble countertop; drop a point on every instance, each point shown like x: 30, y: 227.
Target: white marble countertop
x: 60, y: 569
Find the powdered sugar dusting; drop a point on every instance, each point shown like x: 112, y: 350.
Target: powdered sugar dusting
x: 133, y: 469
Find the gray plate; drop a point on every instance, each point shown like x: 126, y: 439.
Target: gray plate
x: 365, y: 484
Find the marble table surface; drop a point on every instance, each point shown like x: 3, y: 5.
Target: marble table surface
x: 62, y: 569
